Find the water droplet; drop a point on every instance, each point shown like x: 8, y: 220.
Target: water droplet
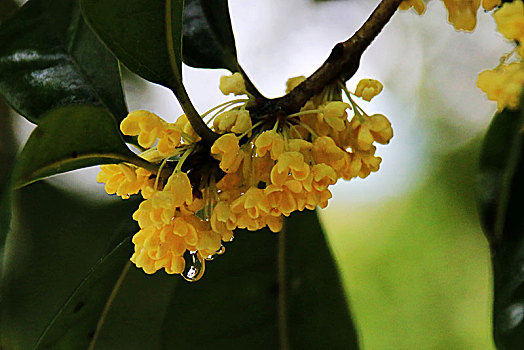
x: 195, y: 266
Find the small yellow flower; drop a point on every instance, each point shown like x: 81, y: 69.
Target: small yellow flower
x: 236, y: 121
x: 121, y: 179
x: 418, y: 5
x: 289, y: 164
x: 322, y: 176
x: 364, y: 163
x: 233, y: 84
x: 170, y: 138
x: 326, y: 151
x: 334, y: 114
x: 462, y: 13
x: 282, y: 201
x: 510, y: 20
x: 182, y: 123
x: 180, y: 187
x: 227, y: 150
x: 380, y: 128
x: 489, y: 5
x: 294, y: 82
x: 270, y: 141
x: 148, y: 126
x: 368, y: 88
x: 156, y: 249
x: 503, y: 84
x: 253, y: 204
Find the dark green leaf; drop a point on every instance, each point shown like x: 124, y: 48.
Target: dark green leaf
x: 74, y: 325
x: 49, y: 58
x: 501, y: 201
x: 135, y: 318
x: 55, y: 241
x: 135, y: 31
x: 208, y: 36
x: 267, y: 292
x: 7, y: 156
x: 70, y: 138
x: 132, y: 319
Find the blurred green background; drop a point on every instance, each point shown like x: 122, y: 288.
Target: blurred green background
x: 408, y: 240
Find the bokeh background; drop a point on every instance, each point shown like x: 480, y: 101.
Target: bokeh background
x: 407, y: 239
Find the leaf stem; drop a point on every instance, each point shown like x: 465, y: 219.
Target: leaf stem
x: 178, y: 87
x: 108, y: 304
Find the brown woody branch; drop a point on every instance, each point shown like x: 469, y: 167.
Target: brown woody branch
x: 341, y: 64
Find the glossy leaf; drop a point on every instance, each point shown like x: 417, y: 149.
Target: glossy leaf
x: 501, y: 199
x: 136, y: 32
x: 49, y: 57
x: 135, y: 318
x: 74, y: 326
x: 55, y: 241
x: 70, y: 138
x: 7, y: 156
x: 266, y: 292
x: 108, y: 291
x: 208, y: 35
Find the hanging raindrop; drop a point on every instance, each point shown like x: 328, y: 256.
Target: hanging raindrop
x: 194, y: 267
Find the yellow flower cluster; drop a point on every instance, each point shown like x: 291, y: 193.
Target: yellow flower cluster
x: 504, y: 83
x: 258, y: 171
x: 462, y: 14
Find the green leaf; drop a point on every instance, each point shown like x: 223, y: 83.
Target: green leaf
x: 70, y: 138
x: 99, y: 311
x: 267, y: 292
x: 501, y: 199
x: 136, y: 32
x: 49, y: 57
x: 135, y: 318
x: 208, y: 36
x: 74, y: 326
x: 55, y: 241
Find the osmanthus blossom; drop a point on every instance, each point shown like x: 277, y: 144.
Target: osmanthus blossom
x: 503, y: 84
x: 462, y: 14
x: 258, y: 171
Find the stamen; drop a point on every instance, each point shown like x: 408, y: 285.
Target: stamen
x: 311, y: 111
x: 305, y: 126
x: 249, y: 130
x: 183, y: 159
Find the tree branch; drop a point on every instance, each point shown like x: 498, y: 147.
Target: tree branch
x: 341, y: 64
